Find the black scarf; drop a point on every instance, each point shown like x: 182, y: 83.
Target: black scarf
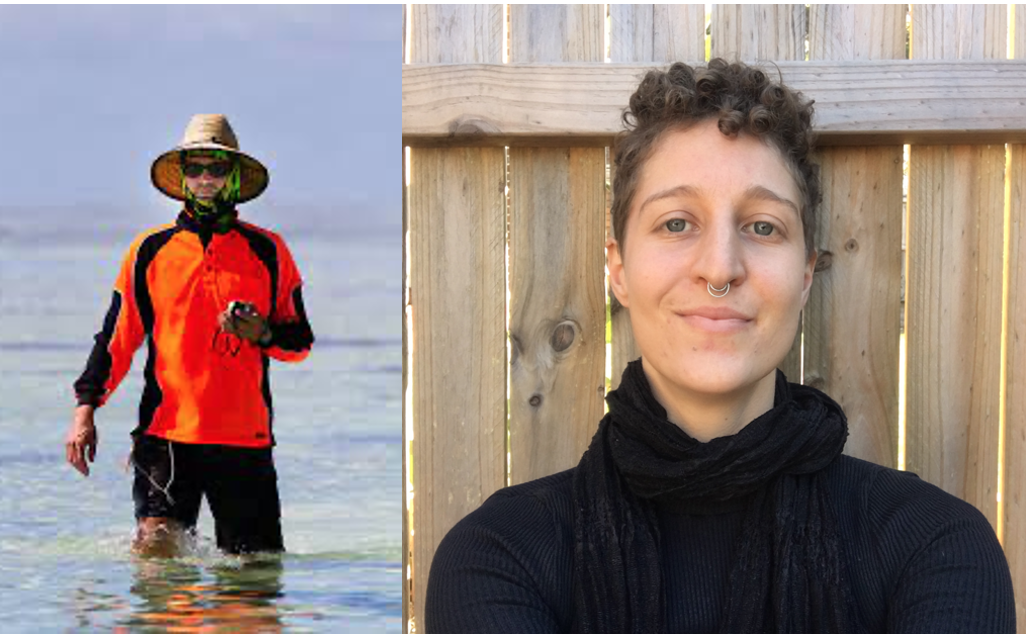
x: 788, y: 574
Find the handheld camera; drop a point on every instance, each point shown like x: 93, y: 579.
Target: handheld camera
x: 237, y: 308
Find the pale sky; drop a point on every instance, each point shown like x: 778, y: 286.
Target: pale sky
x: 92, y: 94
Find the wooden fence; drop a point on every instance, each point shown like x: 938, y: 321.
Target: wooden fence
x: 508, y: 111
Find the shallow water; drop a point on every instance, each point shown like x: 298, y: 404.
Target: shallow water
x: 64, y: 539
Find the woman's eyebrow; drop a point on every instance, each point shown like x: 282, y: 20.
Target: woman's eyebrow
x: 758, y: 192
x: 679, y: 190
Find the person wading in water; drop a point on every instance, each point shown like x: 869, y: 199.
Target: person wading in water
x: 214, y: 299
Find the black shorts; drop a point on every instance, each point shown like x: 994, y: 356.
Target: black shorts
x: 240, y: 483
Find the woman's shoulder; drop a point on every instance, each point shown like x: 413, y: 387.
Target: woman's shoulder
x: 542, y: 505
x: 889, y: 497
x: 555, y: 489
x: 507, y: 565
x: 909, y: 542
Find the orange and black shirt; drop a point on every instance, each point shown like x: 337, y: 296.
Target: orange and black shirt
x: 202, y: 385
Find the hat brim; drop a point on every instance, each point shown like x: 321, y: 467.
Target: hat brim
x: 166, y: 172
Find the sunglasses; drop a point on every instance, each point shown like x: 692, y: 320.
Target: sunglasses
x: 219, y: 169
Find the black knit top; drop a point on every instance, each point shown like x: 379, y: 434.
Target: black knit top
x: 917, y: 560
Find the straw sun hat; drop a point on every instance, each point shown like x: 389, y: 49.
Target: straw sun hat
x: 208, y: 132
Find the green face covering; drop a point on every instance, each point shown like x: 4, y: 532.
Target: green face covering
x: 219, y: 212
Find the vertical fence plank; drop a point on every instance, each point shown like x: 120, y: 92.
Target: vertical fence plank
x: 1015, y: 446
x: 750, y: 32
x: 557, y: 227
x: 852, y: 320
x: 1020, y: 31
x: 457, y: 235
x: 1015, y: 379
x: 557, y: 33
x: 857, y: 31
x: 658, y: 33
x: 953, y: 318
x: 959, y: 31
x: 457, y: 34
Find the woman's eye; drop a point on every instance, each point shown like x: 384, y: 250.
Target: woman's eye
x: 677, y: 225
x: 762, y: 228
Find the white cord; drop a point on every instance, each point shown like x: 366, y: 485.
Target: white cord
x: 166, y: 488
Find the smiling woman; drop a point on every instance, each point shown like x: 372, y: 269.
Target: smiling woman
x: 714, y: 496
x: 713, y: 212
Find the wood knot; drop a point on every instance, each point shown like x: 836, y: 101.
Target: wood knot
x: 851, y: 246
x: 470, y: 126
x: 563, y: 336
x: 824, y: 261
x: 535, y: 400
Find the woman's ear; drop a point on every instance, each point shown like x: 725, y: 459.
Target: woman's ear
x: 614, y: 261
x: 810, y: 269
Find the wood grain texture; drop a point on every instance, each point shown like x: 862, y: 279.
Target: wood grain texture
x: 648, y: 33
x: 857, y: 102
x: 959, y: 31
x: 853, y: 318
x: 557, y: 33
x: 458, y: 296
x: 1015, y: 379
x: 955, y: 269
x: 953, y: 319
x: 1014, y: 496
x: 753, y: 32
x: 656, y: 32
x: 857, y: 31
x: 1019, y: 39
x: 457, y: 33
x: 557, y: 317
x: 457, y: 233
x: 557, y: 230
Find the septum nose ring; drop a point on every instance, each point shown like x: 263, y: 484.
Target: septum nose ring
x: 718, y: 292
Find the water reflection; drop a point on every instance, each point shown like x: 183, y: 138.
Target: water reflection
x: 176, y: 595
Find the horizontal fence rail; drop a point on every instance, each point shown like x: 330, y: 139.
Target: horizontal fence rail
x: 857, y: 102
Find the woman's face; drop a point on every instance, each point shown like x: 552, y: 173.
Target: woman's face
x: 712, y: 210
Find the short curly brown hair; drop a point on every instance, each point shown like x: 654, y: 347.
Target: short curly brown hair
x: 741, y: 98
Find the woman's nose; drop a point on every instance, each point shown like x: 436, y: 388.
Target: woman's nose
x: 719, y: 259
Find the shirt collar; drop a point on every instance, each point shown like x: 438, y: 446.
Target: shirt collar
x: 187, y: 222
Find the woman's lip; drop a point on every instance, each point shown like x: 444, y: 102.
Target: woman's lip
x: 715, y: 325
x: 715, y: 319
x: 714, y: 312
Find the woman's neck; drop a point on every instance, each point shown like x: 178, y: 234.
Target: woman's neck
x: 708, y: 416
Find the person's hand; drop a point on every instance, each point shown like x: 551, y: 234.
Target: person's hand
x: 245, y: 322
x: 81, y: 440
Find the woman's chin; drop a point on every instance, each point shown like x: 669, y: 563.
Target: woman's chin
x: 710, y: 378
